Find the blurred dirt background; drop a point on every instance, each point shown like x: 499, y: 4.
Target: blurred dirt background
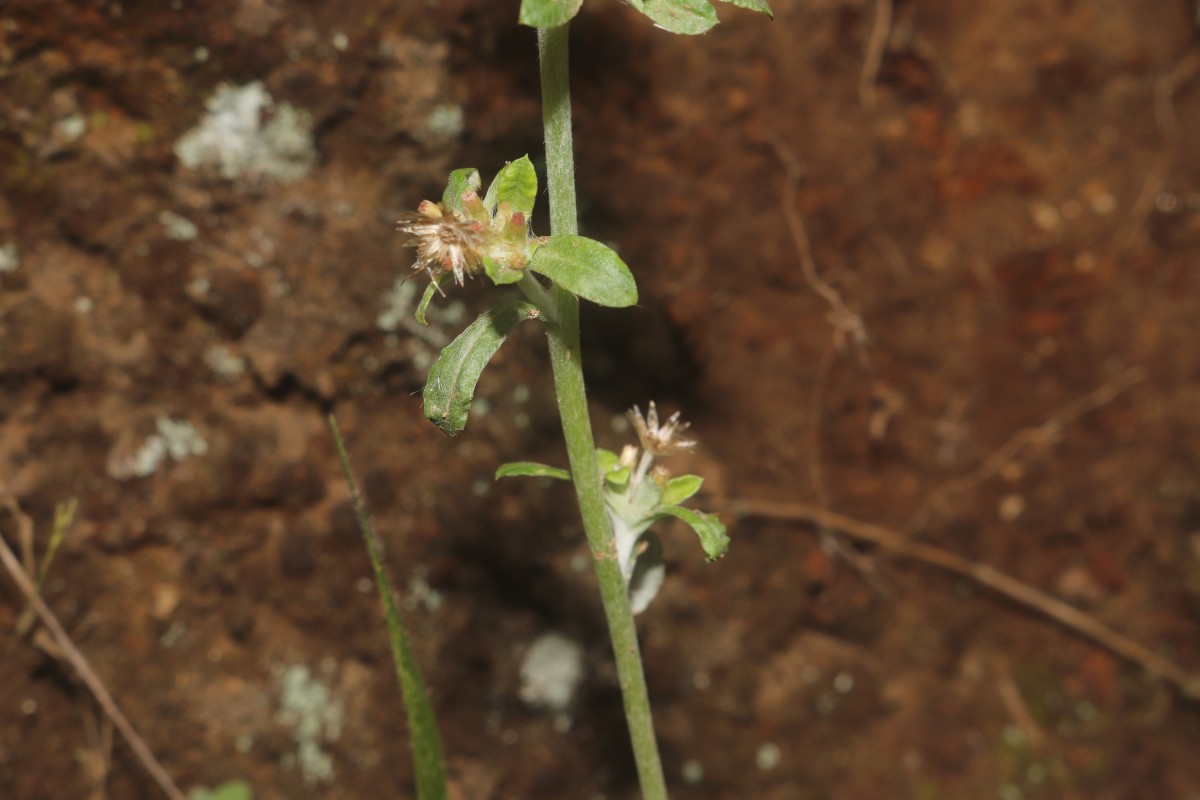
x: 1001, y: 204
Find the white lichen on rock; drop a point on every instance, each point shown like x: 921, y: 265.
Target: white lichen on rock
x: 313, y: 716
x: 177, y: 227
x: 180, y: 438
x: 551, y: 672
x: 225, y: 364
x: 10, y: 259
x: 248, y: 138
x: 174, y: 439
x: 445, y: 124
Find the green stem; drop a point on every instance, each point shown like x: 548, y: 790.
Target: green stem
x: 565, y: 358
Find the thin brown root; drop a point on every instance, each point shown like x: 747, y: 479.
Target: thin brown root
x: 876, y: 46
x: 1165, y: 89
x: 816, y: 471
x: 1010, y: 695
x: 1020, y: 593
x: 24, y: 530
x: 891, y: 254
x: 1041, y: 434
x: 96, y: 759
x: 846, y: 323
x: 847, y: 327
x: 90, y: 679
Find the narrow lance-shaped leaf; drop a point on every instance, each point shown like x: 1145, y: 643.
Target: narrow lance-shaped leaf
x: 515, y: 184
x: 461, y: 181
x: 587, y: 269
x: 708, y: 527
x: 453, y: 376
x: 548, y: 13
x: 433, y: 288
x: 531, y: 469
x: 428, y: 763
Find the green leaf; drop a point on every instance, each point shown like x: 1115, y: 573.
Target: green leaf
x: 679, y: 16
x: 461, y: 181
x: 707, y: 526
x: 586, y: 268
x: 753, y: 5
x: 610, y: 468
x: 607, y: 460
x: 548, y: 13
x: 433, y: 288
x: 679, y: 489
x: 501, y: 274
x: 517, y: 184
x: 618, y: 477
x: 531, y: 469
x: 453, y: 376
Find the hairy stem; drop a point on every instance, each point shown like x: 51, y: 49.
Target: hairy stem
x: 565, y: 357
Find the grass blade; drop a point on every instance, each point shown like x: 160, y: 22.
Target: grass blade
x: 428, y: 763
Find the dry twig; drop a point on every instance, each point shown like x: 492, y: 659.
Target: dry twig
x: 87, y: 675
x: 824, y: 521
x: 1011, y: 588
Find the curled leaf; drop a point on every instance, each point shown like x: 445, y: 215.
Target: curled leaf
x: 453, y: 376
x: 708, y: 527
x: 515, y: 184
x: 648, y: 572
x: 461, y: 181
x: 433, y: 288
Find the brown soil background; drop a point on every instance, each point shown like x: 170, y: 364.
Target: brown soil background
x: 1016, y: 218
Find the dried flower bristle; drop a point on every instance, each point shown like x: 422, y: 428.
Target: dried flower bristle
x: 659, y: 440
x: 445, y: 242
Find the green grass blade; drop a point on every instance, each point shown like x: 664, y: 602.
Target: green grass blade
x: 428, y: 763
x: 64, y: 517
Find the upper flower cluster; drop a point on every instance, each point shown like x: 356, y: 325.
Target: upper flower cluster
x: 450, y: 242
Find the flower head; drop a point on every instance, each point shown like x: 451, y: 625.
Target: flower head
x: 659, y: 440
x: 445, y: 242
